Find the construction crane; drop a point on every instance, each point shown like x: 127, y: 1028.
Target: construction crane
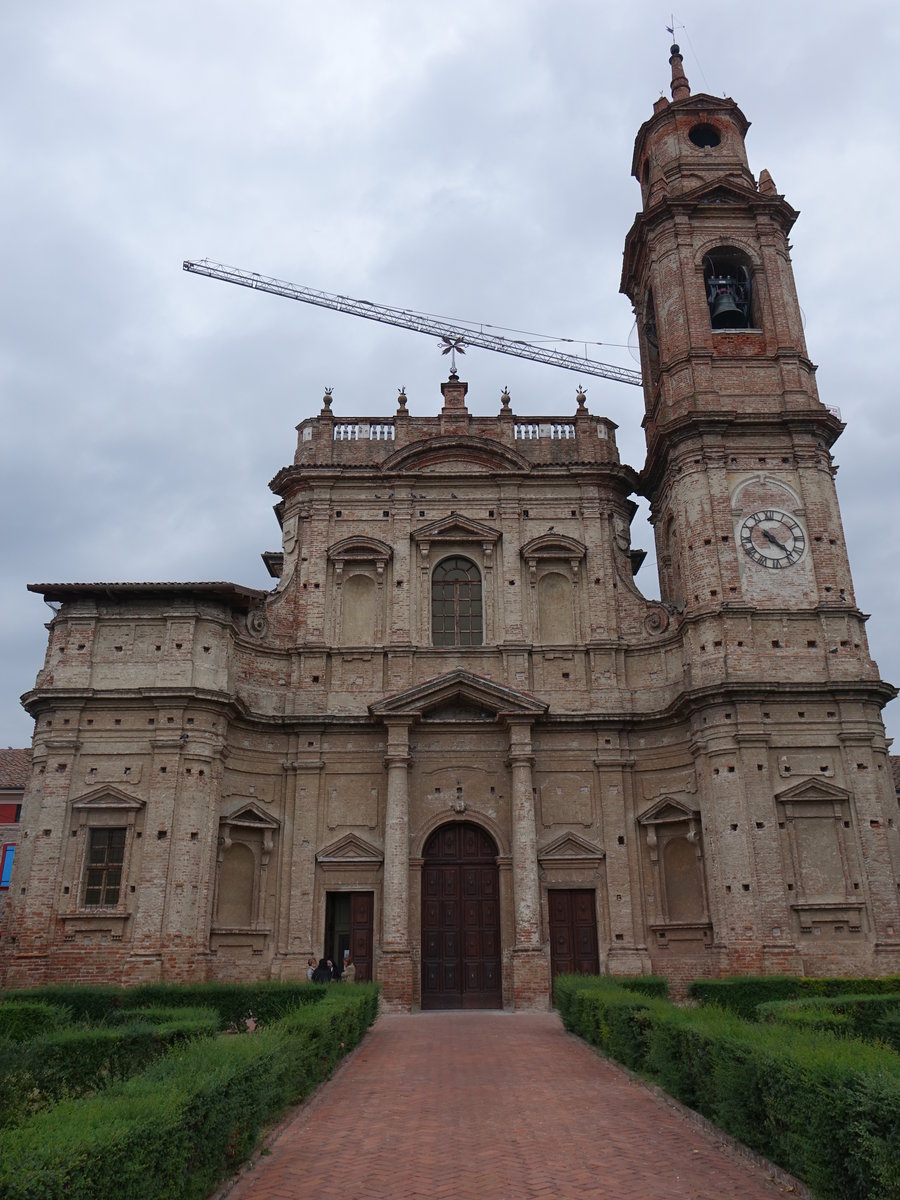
x: 451, y: 333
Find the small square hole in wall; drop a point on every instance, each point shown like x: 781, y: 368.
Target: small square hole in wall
x: 811, y: 644
x: 65, y: 720
x: 707, y: 541
x: 170, y: 720
x: 525, y: 512
x: 338, y: 512
x: 385, y: 513
x: 727, y: 889
x: 162, y: 834
x: 65, y: 891
x: 760, y: 767
x: 178, y: 645
x: 157, y: 649
x: 776, y: 645
x: 620, y: 840
x: 195, y: 836
x: 565, y: 674
x: 733, y: 828
x: 767, y: 716
x: 574, y: 512
x: 310, y: 744
x: 421, y: 512
x: 89, y: 721
x: 745, y: 887
x: 856, y: 887
x: 117, y: 721
x: 620, y: 937
x: 162, y: 770
x: 490, y: 512
x: 740, y: 643
x: 801, y: 715
x: 731, y: 770
x: 316, y: 587
x: 315, y: 678
x: 189, y: 721
x: 790, y: 887
x: 760, y: 825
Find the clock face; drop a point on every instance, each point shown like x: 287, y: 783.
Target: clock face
x: 772, y: 539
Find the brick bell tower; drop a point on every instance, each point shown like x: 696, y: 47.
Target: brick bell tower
x: 781, y: 694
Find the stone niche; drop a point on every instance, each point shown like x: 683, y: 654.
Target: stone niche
x: 821, y: 869
x: 671, y: 841
x: 242, y: 922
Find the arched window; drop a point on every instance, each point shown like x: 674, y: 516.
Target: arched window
x: 456, y: 604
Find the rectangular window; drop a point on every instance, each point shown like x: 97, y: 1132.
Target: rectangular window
x: 7, y: 854
x: 106, y: 853
x: 10, y: 813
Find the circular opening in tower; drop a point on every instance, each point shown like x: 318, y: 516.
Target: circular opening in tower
x: 705, y: 135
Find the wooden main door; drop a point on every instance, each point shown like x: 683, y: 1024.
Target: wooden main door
x: 573, y: 932
x: 460, y: 919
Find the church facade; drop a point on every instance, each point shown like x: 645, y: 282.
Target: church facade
x: 455, y: 740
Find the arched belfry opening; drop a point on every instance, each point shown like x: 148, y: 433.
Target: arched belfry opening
x: 729, y: 289
x: 460, y: 919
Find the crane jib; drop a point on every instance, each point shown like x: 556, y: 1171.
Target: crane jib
x: 404, y: 318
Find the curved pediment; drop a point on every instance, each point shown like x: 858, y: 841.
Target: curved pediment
x: 483, y: 454
x: 460, y: 689
x: 358, y: 548
x: 553, y: 545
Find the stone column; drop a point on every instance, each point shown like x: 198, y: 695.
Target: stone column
x: 530, y: 965
x: 396, y: 962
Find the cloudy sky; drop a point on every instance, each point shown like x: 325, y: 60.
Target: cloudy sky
x: 470, y: 160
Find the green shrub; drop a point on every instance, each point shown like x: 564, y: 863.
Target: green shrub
x: 742, y: 993
x: 76, y: 1062
x: 567, y: 987
x: 235, y: 1003
x: 22, y: 1020
x: 872, y: 1018
x: 821, y: 1107
x: 177, y: 1129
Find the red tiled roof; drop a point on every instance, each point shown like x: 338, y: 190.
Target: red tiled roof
x: 15, y: 766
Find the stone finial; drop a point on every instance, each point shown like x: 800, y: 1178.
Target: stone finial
x: 505, y: 398
x: 581, y: 397
x: 326, y: 399
x: 681, y: 89
x: 401, y: 400
x: 767, y: 184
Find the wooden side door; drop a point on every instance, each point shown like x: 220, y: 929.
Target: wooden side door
x: 362, y: 913
x: 573, y: 932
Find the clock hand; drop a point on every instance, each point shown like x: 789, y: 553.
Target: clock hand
x: 773, y: 540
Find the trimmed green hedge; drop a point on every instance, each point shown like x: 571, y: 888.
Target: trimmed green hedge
x: 566, y: 988
x: 823, y: 1108
x: 68, y: 1063
x: 22, y: 1020
x: 234, y: 1003
x: 179, y: 1128
x: 741, y: 994
x: 872, y: 1018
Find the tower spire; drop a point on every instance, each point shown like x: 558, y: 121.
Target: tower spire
x: 681, y: 88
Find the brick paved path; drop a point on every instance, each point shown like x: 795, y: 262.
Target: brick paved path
x: 488, y: 1105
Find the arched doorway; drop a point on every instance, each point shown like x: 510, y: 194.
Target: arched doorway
x: 460, y: 919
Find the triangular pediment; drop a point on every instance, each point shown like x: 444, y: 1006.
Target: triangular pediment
x: 668, y: 810
x: 350, y: 849
x: 812, y: 791
x: 108, y: 798
x: 250, y: 815
x: 456, y: 452
x: 462, y: 688
x: 456, y: 528
x: 571, y: 848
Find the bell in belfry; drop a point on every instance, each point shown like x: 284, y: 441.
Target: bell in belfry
x: 728, y: 296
